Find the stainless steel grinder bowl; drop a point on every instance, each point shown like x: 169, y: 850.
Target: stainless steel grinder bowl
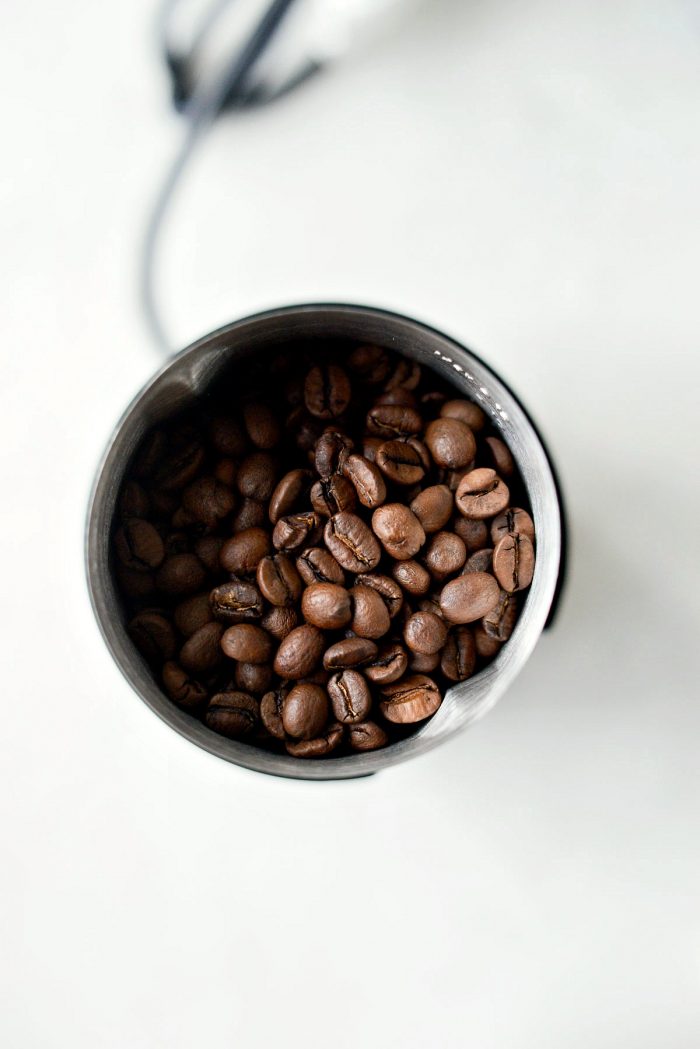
x: 188, y: 375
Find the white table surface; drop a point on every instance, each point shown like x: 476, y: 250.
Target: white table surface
x: 525, y: 176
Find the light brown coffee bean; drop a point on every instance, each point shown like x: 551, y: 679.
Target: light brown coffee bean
x: 499, y: 621
x: 433, y: 507
x: 486, y: 646
x: 389, y: 664
x: 469, y: 597
x: 241, y: 553
x: 370, y: 616
x: 247, y: 643
x: 399, y: 530
x: 352, y: 543
x: 500, y: 456
x: 467, y: 411
x: 512, y: 521
x: 350, y: 697
x: 425, y: 632
x: 291, y: 490
x: 475, y: 534
x: 279, y: 581
x: 445, y: 554
x: 300, y: 652
x: 451, y: 443
x: 305, y: 711
x: 412, y: 699
x: 459, y: 654
x: 350, y: 652
x: 326, y: 605
x: 317, y: 565
x: 412, y: 576
x: 481, y: 493
x: 400, y: 462
x: 479, y: 561
x: 201, y: 653
x: 514, y: 562
x: 233, y: 714
x: 366, y: 736
x: 367, y: 480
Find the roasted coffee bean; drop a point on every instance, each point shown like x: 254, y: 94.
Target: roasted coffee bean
x: 400, y: 462
x: 208, y: 549
x: 512, y: 521
x: 257, y: 476
x: 453, y: 478
x: 250, y: 514
x: 317, y: 748
x: 430, y: 603
x: 326, y: 605
x: 366, y: 736
x: 183, y: 689
x: 389, y: 664
x: 247, y: 643
x: 153, y: 635
x: 412, y: 576
x: 177, y: 543
x: 289, y: 493
x: 150, y: 454
x: 227, y: 437
x: 423, y: 663
x: 451, y: 443
x: 459, y: 654
x: 271, y: 712
x: 295, y: 530
x: 262, y: 425
x: 399, y: 530
x: 366, y: 479
x: 469, y: 597
x: 192, y: 613
x: 180, y: 466
x: 412, y: 699
x: 242, y: 553
x: 253, y: 677
x: 332, y: 496
x: 350, y: 652
x: 389, y: 591
x: 406, y: 373
x: 399, y: 396
x: 305, y: 431
x: 280, y: 621
x: 300, y: 652
x: 475, y: 534
x: 181, y: 520
x: 317, y: 565
x: 352, y: 543
x: 433, y: 507
x: 487, y: 647
x: 445, y: 554
x: 500, y: 456
x: 370, y: 363
x: 480, y: 561
x: 350, y: 697
x: 499, y: 621
x: 514, y: 562
x: 239, y: 601
x: 135, y: 584
x: 138, y: 545
x: 233, y: 714
x: 481, y: 493
x: 327, y: 391
x: 226, y: 471
x: 208, y: 500
x: 466, y: 411
x: 134, y: 501
x: 278, y: 580
x: 201, y: 653
x: 370, y: 616
x: 332, y: 449
x: 180, y: 574
x: 425, y: 632
x: 393, y: 420
x: 370, y: 447
x: 305, y: 711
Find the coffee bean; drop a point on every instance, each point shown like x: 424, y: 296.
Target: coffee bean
x: 499, y: 621
x: 430, y: 603
x: 300, y: 652
x: 326, y: 605
x: 227, y: 437
x: 271, y: 712
x: 134, y: 501
x: 350, y: 652
x: 327, y: 391
x: 150, y: 454
x: 425, y: 632
x: 138, y: 545
x: 208, y: 500
x: 253, y: 677
x: 475, y: 534
x: 480, y: 561
x: 423, y: 663
x: 233, y: 714
x: 469, y: 597
x: 183, y: 689
x: 250, y: 514
x: 153, y: 635
x: 332, y: 496
x: 481, y: 494
x: 412, y: 699
x: 453, y: 478
x: 512, y: 521
x: 304, y: 431
x: 370, y: 616
x: 500, y: 456
x: 352, y: 543
x: 295, y: 530
x: 182, y: 519
x: 389, y: 591
x: 289, y: 493
x: 433, y: 507
x: 399, y: 530
x: 180, y: 574
x: 317, y: 565
x: 399, y: 396
x: 486, y: 646
x: 451, y: 443
x: 370, y: 447
x: 305, y: 711
x: 201, y: 653
x: 389, y: 664
x: 367, y: 480
x: 208, y: 549
x: 135, y: 584
x: 257, y: 476
x: 467, y: 411
x: 400, y: 462
x: 514, y: 562
x: 370, y: 363
x: 411, y: 576
x: 459, y: 654
x: 278, y: 580
x: 180, y: 466
x: 247, y: 643
x: 317, y: 748
x: 350, y: 697
x: 242, y: 552
x: 367, y: 736
x: 445, y: 554
x: 393, y: 420
x: 226, y: 471
x: 262, y: 425
x: 406, y: 373
x: 332, y: 450
x: 280, y: 622
x: 236, y: 602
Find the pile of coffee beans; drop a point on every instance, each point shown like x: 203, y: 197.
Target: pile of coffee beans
x: 313, y: 555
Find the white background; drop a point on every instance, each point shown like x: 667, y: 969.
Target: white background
x: 525, y: 176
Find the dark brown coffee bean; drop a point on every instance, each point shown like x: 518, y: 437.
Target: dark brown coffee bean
x: 512, y: 521
x: 138, y: 545
x: 236, y: 602
x: 389, y: 591
x: 150, y: 453
x: 514, y: 562
x: 370, y: 447
x: 327, y: 391
x: 411, y: 576
x: 350, y: 652
x: 192, y: 613
x: 280, y: 621
x: 459, y: 654
x: 332, y: 496
x: 433, y: 507
x: 233, y: 714
x: 451, y: 443
x: 388, y: 665
x: 134, y: 501
x: 262, y: 425
x: 326, y: 605
x: 352, y: 543
x: 201, y: 653
x: 247, y: 643
x: 250, y: 514
x: 300, y: 652
x: 180, y: 574
x: 406, y: 373
x: 153, y: 635
x: 370, y: 616
x: 399, y: 530
x: 208, y: 500
x: 366, y: 479
x: 500, y: 456
x: 423, y: 663
x: 393, y: 420
x: 183, y: 689
x: 453, y: 478
x: 400, y: 462
x: 304, y: 431
x: 289, y: 493
x: 242, y: 553
x: 253, y: 677
x: 399, y: 396
x: 135, y: 584
x: 181, y: 519
x: 412, y: 699
x: 332, y: 449
x: 226, y: 471
x: 350, y: 697
x: 481, y: 493
x: 367, y: 736
x: 279, y: 581
x: 469, y: 597
x: 480, y: 561
x: 317, y: 565
x: 499, y: 621
x: 475, y: 534
x: 227, y: 437
x: 207, y: 550
x: 257, y: 476
x: 317, y: 748
x: 486, y: 646
x: 370, y: 363
x: 305, y: 711
x: 467, y: 411
x: 271, y: 712
x: 425, y: 632
x: 296, y: 530
x: 180, y: 466
x: 445, y: 554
